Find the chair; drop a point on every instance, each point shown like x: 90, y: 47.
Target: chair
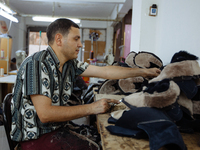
x: 7, y: 119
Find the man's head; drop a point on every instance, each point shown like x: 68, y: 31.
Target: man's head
x: 64, y: 38
x: 62, y: 26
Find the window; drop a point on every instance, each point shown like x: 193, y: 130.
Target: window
x: 37, y: 39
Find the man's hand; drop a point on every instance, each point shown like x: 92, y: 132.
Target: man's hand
x: 103, y: 105
x: 152, y: 72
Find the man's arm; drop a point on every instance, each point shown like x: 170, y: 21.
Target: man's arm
x: 117, y: 72
x: 48, y: 113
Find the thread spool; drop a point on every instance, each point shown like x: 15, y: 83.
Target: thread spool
x: 1, y: 72
x: 2, y: 53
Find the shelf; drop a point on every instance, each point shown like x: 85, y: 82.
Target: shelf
x: 5, y: 59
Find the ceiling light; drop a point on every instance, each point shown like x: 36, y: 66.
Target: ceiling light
x: 51, y: 19
x: 6, y: 12
x: 8, y: 16
x: 44, y: 19
x: 6, y: 8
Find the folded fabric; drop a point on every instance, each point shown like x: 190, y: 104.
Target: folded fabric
x: 178, y: 69
x: 157, y: 94
x: 190, y: 122
x: 130, y: 85
x: 147, y: 60
x: 118, y: 113
x: 160, y: 129
x: 109, y: 87
x: 116, y: 130
x: 134, y: 84
x: 130, y: 59
x: 184, y: 70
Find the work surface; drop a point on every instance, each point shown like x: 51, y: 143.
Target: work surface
x: 113, y: 142
x: 8, y: 79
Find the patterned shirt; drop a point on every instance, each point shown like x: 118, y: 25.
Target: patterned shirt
x: 39, y: 74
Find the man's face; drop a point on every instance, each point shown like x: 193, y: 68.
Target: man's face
x: 71, y: 44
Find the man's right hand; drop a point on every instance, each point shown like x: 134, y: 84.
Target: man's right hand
x: 103, y: 105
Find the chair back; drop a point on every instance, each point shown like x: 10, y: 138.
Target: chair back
x: 7, y: 119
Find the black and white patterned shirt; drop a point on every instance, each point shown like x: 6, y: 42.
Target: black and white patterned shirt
x: 39, y: 74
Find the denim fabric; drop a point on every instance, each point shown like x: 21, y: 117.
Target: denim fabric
x: 139, y: 134
x: 174, y: 112
x: 163, y: 133
x: 188, y: 87
x: 160, y: 129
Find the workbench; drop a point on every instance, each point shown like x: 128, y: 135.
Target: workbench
x: 114, y: 142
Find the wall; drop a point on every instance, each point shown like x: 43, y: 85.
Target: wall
x: 178, y: 28
x: 175, y: 28
x: 18, y: 31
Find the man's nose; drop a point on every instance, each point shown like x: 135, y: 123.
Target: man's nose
x: 80, y: 44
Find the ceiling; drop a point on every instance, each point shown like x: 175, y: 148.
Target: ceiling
x: 99, y: 9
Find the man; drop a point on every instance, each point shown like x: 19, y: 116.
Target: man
x: 13, y: 64
x: 41, y: 105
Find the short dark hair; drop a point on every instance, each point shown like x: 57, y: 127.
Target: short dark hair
x: 13, y: 60
x: 62, y: 26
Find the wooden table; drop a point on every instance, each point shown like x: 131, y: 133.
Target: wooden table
x: 114, y: 142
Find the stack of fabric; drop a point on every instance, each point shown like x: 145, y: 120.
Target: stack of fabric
x: 131, y: 85
x: 164, y: 106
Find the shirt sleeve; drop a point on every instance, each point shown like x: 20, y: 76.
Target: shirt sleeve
x: 81, y: 67
x: 36, y: 79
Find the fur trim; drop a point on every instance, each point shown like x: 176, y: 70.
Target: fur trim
x: 178, y: 69
x: 128, y: 86
x: 108, y: 87
x: 135, y: 99
x: 163, y: 99
x: 117, y: 114
x: 147, y: 59
x: 182, y: 56
x: 158, y: 100
x: 196, y: 107
x: 185, y: 102
x: 130, y: 60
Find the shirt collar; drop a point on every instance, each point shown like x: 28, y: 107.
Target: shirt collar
x: 54, y: 57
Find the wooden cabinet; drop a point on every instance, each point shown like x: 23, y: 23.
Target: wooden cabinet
x: 6, y: 45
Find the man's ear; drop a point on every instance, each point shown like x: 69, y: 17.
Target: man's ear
x: 58, y: 39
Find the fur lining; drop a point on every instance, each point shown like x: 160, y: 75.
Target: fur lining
x: 108, y: 88
x: 130, y: 60
x: 117, y: 114
x: 166, y: 98
x: 183, y: 68
x: 185, y: 102
x: 158, y: 100
x: 127, y: 85
x: 145, y: 60
x: 135, y: 99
